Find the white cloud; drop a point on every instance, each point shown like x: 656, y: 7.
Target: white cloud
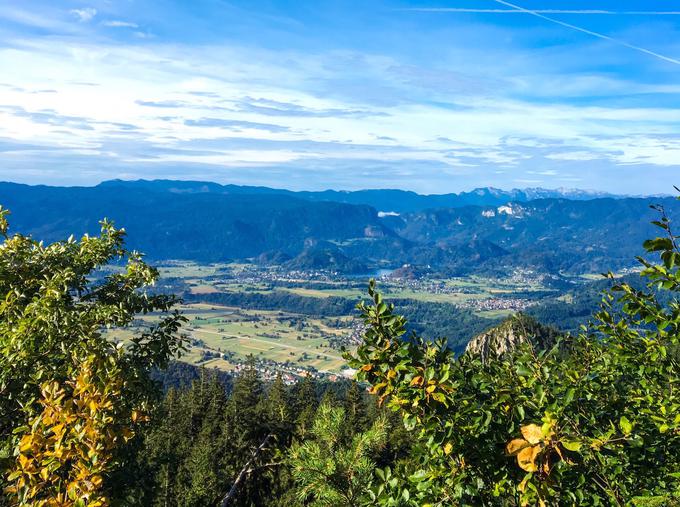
x: 85, y: 14
x: 115, y: 23
x: 574, y: 155
x: 152, y: 103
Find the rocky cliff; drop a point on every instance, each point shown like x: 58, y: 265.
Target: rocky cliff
x: 509, y: 335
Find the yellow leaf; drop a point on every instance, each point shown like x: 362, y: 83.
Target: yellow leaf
x: 526, y: 458
x: 430, y: 389
x: 532, y: 433
x: 596, y: 444
x: 391, y: 374
x: 517, y: 445
x: 366, y: 367
x: 417, y: 381
x: 523, y: 485
x: 24, y: 460
x: 448, y: 448
x: 26, y: 443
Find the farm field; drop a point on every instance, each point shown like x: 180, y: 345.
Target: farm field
x: 224, y: 336
x: 285, y: 338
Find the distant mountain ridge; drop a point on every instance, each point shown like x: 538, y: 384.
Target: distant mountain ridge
x: 214, y: 223
x: 386, y: 200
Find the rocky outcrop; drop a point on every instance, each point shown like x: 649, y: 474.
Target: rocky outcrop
x: 509, y: 335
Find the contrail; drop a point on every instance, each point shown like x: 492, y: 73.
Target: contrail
x: 589, y: 32
x: 544, y: 11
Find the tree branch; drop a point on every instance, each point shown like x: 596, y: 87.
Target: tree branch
x: 244, y: 471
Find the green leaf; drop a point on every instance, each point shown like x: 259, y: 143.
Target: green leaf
x: 572, y: 445
x: 625, y: 425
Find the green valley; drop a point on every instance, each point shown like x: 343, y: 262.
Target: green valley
x: 297, y: 322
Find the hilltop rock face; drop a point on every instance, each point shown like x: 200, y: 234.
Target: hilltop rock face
x: 509, y: 335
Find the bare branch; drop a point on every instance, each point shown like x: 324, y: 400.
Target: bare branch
x: 247, y: 468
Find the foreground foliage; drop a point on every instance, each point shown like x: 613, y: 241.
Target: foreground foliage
x: 330, y: 471
x: 70, y: 397
x: 594, y: 420
x: 202, y: 439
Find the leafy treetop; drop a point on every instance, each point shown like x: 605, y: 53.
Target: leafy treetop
x: 63, y: 383
x: 594, y: 420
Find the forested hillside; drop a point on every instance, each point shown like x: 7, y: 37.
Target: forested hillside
x: 209, y: 223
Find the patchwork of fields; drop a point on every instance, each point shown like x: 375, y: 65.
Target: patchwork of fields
x: 224, y: 335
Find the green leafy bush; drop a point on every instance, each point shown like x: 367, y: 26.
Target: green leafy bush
x: 69, y: 396
x: 594, y: 420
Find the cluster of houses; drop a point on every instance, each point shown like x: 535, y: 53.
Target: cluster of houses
x: 513, y: 304
x: 290, y: 374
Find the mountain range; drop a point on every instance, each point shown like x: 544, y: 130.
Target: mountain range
x: 385, y: 200
x: 483, y: 230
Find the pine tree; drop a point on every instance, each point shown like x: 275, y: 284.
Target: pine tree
x: 305, y: 403
x: 355, y: 408
x: 185, y: 449
x: 330, y: 472
x: 244, y: 407
x: 164, y: 454
x: 246, y: 427
x: 329, y: 397
x: 277, y: 411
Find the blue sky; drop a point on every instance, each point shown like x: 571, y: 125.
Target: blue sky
x: 433, y: 96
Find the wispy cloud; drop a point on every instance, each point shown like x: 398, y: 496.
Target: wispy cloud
x: 277, y: 108
x: 169, y: 104
x: 44, y: 18
x: 236, y: 125
x: 590, y: 32
x: 85, y: 14
x: 543, y: 11
x: 120, y: 24
x: 49, y: 117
